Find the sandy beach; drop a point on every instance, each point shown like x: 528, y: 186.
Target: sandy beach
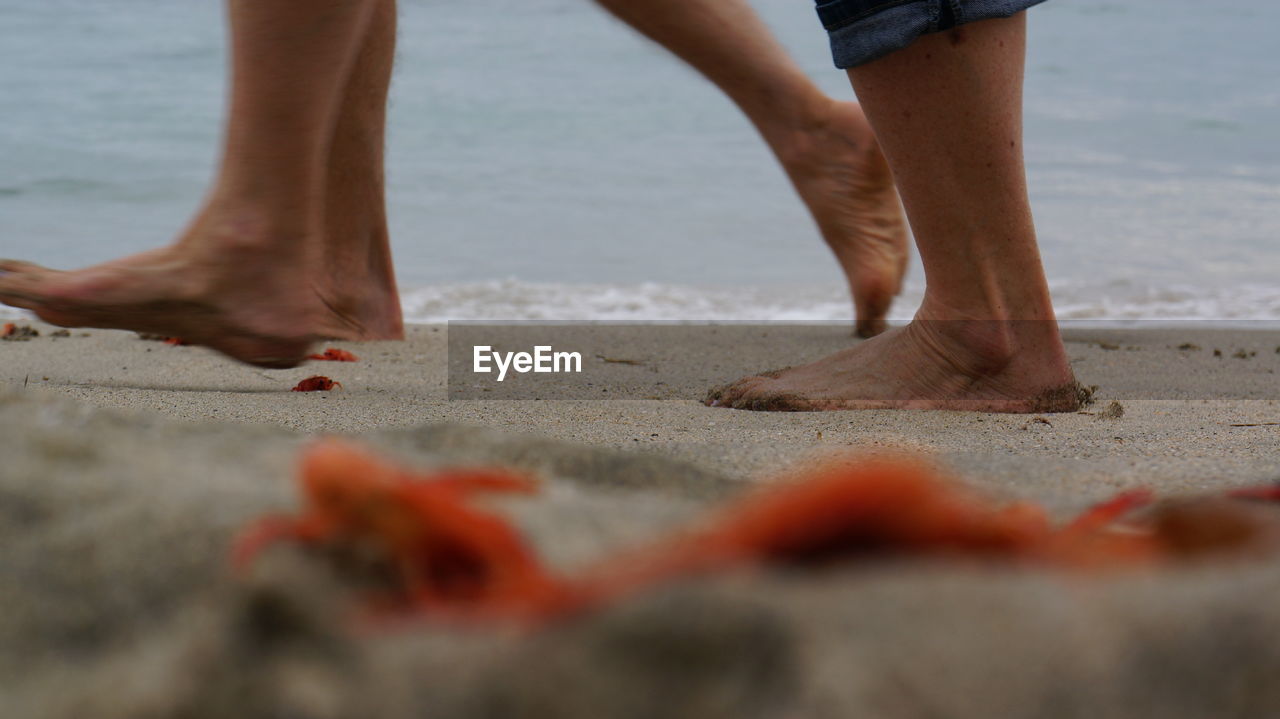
x: 126, y: 466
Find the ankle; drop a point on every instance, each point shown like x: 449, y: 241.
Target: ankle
x: 990, y: 343
x: 247, y: 228
x: 974, y: 348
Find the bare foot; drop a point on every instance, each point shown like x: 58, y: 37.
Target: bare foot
x: 972, y: 365
x: 837, y: 168
x: 227, y: 285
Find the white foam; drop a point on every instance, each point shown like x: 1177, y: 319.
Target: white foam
x: 1077, y: 301
x: 516, y: 300
x: 1124, y: 300
x: 1080, y: 301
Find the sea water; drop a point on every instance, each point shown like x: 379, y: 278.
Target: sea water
x: 546, y: 162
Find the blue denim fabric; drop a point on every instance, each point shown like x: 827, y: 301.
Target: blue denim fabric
x: 863, y: 30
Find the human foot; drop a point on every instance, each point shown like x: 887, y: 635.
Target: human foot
x: 838, y: 170
x: 968, y: 365
x: 225, y: 285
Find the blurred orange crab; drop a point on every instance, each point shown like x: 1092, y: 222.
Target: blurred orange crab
x: 445, y: 554
x: 450, y: 558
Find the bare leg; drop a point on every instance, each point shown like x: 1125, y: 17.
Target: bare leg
x: 948, y: 114
x: 356, y: 279
x: 827, y: 148
x: 245, y: 278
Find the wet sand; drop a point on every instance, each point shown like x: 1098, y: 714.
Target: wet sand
x: 126, y: 466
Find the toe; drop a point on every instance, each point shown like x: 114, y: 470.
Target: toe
x: 20, y: 279
x: 766, y: 401
x: 872, y: 298
x: 18, y: 289
x: 763, y: 393
x: 870, y: 327
x: 12, y: 265
x: 721, y: 396
x: 729, y: 395
x: 18, y: 301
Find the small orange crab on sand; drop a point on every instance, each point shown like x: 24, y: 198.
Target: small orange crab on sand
x: 318, y: 383
x: 449, y: 558
x: 333, y: 354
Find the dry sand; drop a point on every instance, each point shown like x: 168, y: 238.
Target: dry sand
x: 126, y: 466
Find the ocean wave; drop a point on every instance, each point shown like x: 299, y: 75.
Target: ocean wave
x: 518, y: 300
x: 1076, y: 301
x: 1125, y: 300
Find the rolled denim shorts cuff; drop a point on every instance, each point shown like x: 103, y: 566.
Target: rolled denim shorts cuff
x: 865, y: 30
